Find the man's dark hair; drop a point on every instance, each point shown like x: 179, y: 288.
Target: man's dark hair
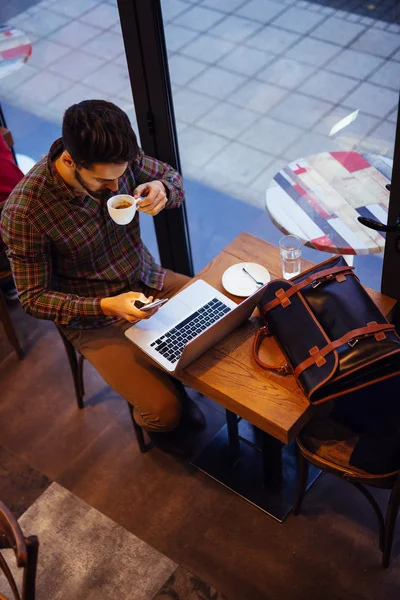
x: 96, y: 131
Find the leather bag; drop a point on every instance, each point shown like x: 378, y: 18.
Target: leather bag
x: 333, y: 336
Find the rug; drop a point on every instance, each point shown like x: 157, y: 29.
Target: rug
x: 84, y: 555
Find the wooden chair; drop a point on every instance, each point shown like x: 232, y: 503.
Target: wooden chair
x: 76, y: 363
x: 6, y: 277
x: 26, y: 553
x: 328, y: 446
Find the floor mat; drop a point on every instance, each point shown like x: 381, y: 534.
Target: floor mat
x: 86, y: 556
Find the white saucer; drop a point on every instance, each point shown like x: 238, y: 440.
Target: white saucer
x: 238, y: 283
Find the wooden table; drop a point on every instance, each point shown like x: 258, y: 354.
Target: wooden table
x: 320, y: 198
x: 228, y: 375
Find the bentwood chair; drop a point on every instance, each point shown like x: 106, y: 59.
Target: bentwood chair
x: 76, y: 361
x: 26, y: 553
x: 328, y: 446
x: 5, y: 319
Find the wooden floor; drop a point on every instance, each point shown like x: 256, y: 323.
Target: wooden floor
x: 330, y: 551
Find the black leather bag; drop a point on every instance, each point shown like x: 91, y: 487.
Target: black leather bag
x: 334, y: 337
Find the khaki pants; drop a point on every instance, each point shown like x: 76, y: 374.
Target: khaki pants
x: 128, y: 371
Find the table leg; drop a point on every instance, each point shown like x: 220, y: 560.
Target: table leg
x: 233, y: 436
x: 254, y: 465
x: 272, y: 458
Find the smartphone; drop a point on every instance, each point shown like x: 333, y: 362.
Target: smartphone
x: 146, y: 307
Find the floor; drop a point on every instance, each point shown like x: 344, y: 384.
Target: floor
x: 256, y: 83
x: 102, y: 559
x: 222, y: 545
x: 330, y: 551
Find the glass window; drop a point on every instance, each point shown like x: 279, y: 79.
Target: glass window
x: 77, y: 53
x: 261, y: 86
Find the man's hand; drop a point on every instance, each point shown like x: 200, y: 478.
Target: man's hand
x: 155, y: 197
x: 123, y: 306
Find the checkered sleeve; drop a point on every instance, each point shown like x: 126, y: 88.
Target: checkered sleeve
x: 145, y: 169
x: 30, y: 257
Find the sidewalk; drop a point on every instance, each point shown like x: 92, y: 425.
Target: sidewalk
x: 256, y: 83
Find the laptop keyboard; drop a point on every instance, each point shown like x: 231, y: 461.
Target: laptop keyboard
x: 171, y: 344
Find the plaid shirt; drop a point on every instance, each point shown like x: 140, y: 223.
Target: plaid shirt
x: 66, y: 253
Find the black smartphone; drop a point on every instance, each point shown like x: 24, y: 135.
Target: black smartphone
x: 145, y: 307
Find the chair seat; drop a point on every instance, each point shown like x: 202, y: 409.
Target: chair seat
x: 333, y: 443
x: 329, y: 440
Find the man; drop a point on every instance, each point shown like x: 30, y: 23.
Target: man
x: 10, y: 175
x: 73, y: 265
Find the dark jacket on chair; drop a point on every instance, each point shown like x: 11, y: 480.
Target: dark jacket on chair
x: 374, y: 414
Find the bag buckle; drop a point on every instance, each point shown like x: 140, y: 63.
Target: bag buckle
x: 265, y: 331
x: 315, y: 284
x: 352, y: 343
x: 285, y: 369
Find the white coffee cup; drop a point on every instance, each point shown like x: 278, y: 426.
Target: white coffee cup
x: 122, y: 216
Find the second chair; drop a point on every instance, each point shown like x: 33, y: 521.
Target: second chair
x: 76, y: 361
x: 328, y: 445
x: 5, y: 319
x: 26, y: 554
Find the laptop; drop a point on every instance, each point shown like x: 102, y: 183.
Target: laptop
x: 190, y: 323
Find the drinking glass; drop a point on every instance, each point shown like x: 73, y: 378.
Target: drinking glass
x: 290, y: 248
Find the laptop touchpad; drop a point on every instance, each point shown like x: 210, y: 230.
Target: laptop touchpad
x: 172, y: 312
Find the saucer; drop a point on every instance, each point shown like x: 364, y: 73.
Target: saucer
x: 238, y: 283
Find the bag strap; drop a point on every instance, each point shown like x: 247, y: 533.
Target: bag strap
x: 262, y: 333
x: 282, y: 296
x: 351, y: 338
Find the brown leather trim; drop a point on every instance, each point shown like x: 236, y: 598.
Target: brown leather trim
x: 300, y: 295
x: 380, y: 336
x: 369, y: 329
x: 262, y: 333
x: 319, y: 359
x: 365, y: 364
x: 357, y: 387
x: 283, y: 297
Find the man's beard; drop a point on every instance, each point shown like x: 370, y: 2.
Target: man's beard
x: 104, y: 194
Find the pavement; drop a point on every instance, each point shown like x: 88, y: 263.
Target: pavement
x: 256, y: 83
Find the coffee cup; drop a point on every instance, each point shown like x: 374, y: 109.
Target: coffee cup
x: 122, y: 208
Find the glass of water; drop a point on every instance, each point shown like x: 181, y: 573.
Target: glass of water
x: 290, y: 247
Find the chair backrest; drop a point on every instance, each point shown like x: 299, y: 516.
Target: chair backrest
x: 26, y: 552
x: 5, y: 270
x: 7, y: 323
